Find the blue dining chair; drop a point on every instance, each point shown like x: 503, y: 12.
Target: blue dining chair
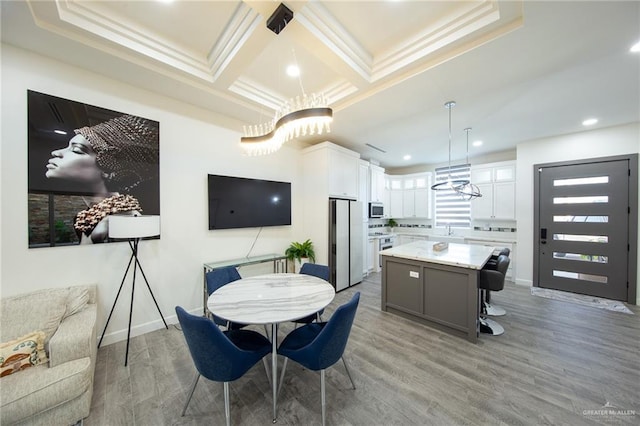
x: 320, y: 271
x: 220, y: 356
x: 317, y: 346
x: 216, y: 279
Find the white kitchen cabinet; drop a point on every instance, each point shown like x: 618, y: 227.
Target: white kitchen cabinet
x: 343, y: 173
x: 329, y: 171
x: 496, y: 183
x: 395, y: 203
x: 363, y: 188
x: 416, y: 197
x: 377, y: 184
x: 371, y: 254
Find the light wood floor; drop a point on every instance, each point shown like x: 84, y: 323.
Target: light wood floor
x: 557, y: 364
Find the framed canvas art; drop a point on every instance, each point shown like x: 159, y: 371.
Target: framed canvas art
x: 86, y: 163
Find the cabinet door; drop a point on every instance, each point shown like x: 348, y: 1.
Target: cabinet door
x: 395, y: 199
x: 422, y: 203
x: 408, y: 203
x: 371, y: 253
x: 377, y: 183
x: 482, y: 207
x: 506, y: 173
x: 343, y: 174
x: 481, y: 175
x: 363, y: 189
x: 504, y: 200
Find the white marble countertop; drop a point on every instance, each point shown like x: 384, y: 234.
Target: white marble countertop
x: 508, y: 238
x: 472, y: 256
x: 271, y: 298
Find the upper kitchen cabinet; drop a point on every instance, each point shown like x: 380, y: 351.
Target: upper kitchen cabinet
x: 336, y: 168
x: 496, y: 182
x: 416, y: 196
x: 377, y: 184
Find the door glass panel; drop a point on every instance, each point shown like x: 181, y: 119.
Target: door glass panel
x: 581, y: 200
x: 581, y: 181
x: 581, y: 257
x: 579, y: 276
x: 588, y: 219
x: 582, y: 238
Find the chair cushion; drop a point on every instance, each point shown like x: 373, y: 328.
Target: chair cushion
x: 21, y: 353
x: 39, y: 388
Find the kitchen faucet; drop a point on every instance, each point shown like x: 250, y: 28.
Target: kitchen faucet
x: 449, y: 231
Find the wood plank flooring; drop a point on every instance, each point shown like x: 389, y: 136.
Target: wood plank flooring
x: 557, y: 363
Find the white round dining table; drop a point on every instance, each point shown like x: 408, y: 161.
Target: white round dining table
x: 271, y: 299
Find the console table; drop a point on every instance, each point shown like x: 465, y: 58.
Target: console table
x: 279, y: 265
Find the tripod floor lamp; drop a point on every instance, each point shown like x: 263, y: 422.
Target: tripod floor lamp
x: 132, y: 229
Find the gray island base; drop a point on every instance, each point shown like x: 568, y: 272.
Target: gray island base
x: 439, y: 289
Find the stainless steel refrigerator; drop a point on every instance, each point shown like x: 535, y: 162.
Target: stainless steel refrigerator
x: 345, y: 243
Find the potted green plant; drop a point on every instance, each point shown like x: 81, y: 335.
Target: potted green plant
x: 392, y: 224
x: 301, y: 253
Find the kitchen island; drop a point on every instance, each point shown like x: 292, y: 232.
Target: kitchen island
x: 436, y: 288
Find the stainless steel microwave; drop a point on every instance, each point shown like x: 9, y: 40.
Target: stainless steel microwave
x: 376, y: 210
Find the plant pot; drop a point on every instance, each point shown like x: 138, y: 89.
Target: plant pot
x: 298, y: 264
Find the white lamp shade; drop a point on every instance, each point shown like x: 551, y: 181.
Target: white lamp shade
x: 134, y: 226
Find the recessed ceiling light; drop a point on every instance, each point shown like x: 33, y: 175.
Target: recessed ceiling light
x: 165, y: 1
x: 635, y: 48
x: 293, y: 71
x: 477, y: 143
x: 60, y: 132
x: 589, y: 121
x: 406, y: 157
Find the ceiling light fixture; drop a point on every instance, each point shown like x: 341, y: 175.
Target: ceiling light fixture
x: 635, y: 48
x: 477, y: 143
x: 406, y: 157
x: 468, y: 191
x: 589, y: 121
x: 301, y: 116
x: 449, y: 184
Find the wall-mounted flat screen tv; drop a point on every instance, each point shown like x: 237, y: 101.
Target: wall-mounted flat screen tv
x: 236, y: 202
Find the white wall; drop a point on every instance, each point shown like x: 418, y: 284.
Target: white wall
x: 597, y: 143
x: 191, y: 146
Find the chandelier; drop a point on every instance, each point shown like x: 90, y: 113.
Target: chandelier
x: 304, y: 115
x: 450, y: 184
x: 301, y: 116
x: 468, y: 191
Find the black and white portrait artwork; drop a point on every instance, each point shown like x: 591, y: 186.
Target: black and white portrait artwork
x: 87, y: 163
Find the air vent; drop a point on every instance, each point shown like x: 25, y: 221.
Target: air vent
x: 279, y: 19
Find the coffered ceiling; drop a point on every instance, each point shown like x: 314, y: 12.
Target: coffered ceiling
x: 518, y: 70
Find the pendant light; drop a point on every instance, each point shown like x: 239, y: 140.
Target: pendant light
x: 468, y: 191
x: 449, y: 184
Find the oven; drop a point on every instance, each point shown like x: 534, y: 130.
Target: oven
x: 384, y: 242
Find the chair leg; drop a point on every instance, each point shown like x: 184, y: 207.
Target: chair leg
x: 284, y: 368
x: 324, y: 401
x: 193, y: 388
x: 226, y: 403
x: 266, y: 369
x: 344, y: 361
x: 266, y: 330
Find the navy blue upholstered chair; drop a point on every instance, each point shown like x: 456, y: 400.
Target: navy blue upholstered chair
x: 221, y: 356
x: 317, y: 346
x: 216, y: 279
x: 320, y: 271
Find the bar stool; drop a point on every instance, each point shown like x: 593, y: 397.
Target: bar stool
x: 492, y: 280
